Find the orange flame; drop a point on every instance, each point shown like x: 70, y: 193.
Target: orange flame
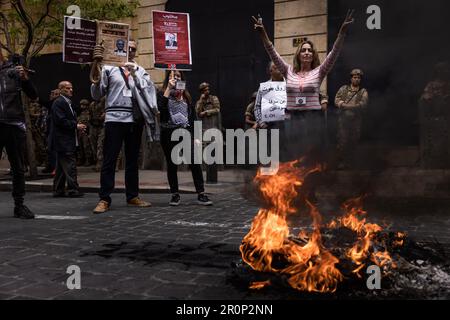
x: 259, y: 285
x: 310, y: 267
x: 269, y: 247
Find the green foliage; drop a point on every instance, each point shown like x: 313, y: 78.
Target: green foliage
x: 40, y: 26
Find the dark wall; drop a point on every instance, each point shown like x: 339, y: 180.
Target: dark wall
x: 50, y: 70
x: 226, y: 51
x: 397, y: 60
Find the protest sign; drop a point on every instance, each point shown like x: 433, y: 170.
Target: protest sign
x: 81, y: 35
x: 79, y: 39
x: 171, y: 40
x: 114, y: 37
x: 273, y: 101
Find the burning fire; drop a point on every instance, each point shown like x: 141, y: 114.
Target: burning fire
x: 308, y: 265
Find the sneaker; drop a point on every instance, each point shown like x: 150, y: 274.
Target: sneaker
x: 175, y: 200
x: 23, y: 212
x: 137, y: 202
x: 204, y: 200
x: 101, y: 207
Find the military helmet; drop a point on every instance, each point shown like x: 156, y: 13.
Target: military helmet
x: 357, y: 72
x: 203, y: 86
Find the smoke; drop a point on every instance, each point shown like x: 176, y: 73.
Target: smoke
x: 398, y: 61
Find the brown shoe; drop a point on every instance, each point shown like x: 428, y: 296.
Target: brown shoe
x: 101, y: 207
x: 137, y: 202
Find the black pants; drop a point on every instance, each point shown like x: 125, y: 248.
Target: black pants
x: 66, y: 171
x: 13, y: 139
x: 116, y: 134
x: 196, y: 169
x: 51, y: 154
x: 303, y: 136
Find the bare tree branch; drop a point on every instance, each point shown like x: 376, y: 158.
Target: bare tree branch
x: 42, y: 18
x: 56, y: 19
x: 5, y: 47
x: 19, y: 7
x: 40, y: 46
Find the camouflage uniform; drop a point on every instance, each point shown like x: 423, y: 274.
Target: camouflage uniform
x: 349, y: 121
x: 212, y: 120
x: 250, y: 112
x: 40, y: 150
x: 85, y: 147
x: 96, y: 124
x: 97, y: 134
x: 212, y: 107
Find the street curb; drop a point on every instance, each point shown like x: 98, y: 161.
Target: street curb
x: 32, y: 186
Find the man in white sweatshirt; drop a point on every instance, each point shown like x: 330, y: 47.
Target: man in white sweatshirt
x: 124, y: 123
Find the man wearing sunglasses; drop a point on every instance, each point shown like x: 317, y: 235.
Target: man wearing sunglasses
x: 124, y: 123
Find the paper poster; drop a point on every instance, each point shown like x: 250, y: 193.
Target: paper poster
x: 81, y: 35
x: 171, y: 40
x: 115, y: 40
x: 79, y: 39
x: 273, y: 101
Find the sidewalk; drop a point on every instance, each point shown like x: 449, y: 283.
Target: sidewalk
x: 407, y: 183
x: 151, y: 181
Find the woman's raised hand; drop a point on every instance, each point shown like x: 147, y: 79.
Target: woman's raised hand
x: 258, y: 23
x: 261, y: 30
x: 172, y: 80
x: 348, y: 21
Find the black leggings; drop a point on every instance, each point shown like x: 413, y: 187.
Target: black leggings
x: 167, y: 145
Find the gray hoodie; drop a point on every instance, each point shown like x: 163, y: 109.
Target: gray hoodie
x: 118, y: 103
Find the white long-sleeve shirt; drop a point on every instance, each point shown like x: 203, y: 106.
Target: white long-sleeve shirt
x: 118, y: 104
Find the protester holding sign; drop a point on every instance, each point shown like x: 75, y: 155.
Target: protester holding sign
x: 177, y: 111
x: 171, y: 40
x: 277, y: 80
x: 130, y: 94
x: 303, y: 81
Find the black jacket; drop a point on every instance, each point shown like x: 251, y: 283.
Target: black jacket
x: 11, y: 106
x: 163, y: 108
x: 63, y: 127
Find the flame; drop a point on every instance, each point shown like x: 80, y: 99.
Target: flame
x: 383, y: 258
x: 354, y: 219
x: 399, y: 240
x: 309, y: 266
x: 259, y: 285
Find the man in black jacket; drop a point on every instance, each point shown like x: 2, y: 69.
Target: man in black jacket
x: 14, y: 80
x: 65, y: 142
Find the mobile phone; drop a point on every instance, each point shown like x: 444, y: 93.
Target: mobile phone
x: 180, y: 85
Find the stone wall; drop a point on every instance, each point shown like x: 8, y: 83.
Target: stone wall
x: 300, y: 19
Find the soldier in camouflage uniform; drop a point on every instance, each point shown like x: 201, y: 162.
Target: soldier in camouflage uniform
x: 351, y: 100
x: 97, y: 133
x: 85, y: 148
x: 208, y: 111
x: 208, y: 108
x: 40, y: 150
x: 96, y: 124
x: 250, y: 119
